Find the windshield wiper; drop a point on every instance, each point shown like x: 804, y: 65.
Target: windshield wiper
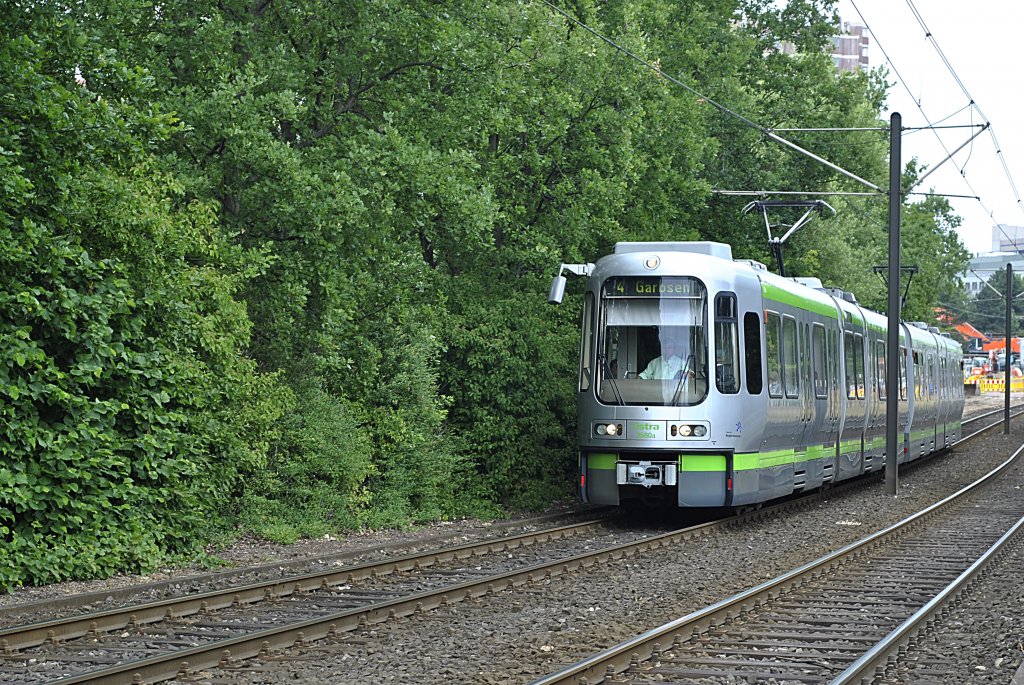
x: 610, y: 377
x: 682, y: 379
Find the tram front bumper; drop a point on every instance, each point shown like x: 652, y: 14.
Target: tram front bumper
x: 645, y: 474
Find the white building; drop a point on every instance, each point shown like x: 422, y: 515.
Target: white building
x: 1007, y: 238
x: 1007, y: 248
x: 982, y: 267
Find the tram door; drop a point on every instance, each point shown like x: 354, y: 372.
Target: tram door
x: 826, y: 417
x: 851, y: 461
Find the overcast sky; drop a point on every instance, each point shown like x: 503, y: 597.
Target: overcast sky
x: 981, y: 41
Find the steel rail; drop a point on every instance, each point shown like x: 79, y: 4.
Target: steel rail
x: 125, y: 593
x: 987, y: 414
x: 619, y: 658
x: 227, y: 651
x: 876, y: 657
x: 69, y: 628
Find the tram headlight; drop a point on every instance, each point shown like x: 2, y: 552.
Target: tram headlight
x: 608, y: 429
x: 687, y: 430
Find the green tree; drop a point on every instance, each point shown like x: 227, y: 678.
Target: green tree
x: 127, y: 404
x: 414, y: 175
x: 313, y: 127
x: 930, y: 243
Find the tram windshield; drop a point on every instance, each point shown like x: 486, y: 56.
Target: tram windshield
x: 653, y: 348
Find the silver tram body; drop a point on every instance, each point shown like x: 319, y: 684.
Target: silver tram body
x: 774, y: 385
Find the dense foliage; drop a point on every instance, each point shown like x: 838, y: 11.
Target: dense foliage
x: 283, y: 264
x: 128, y: 405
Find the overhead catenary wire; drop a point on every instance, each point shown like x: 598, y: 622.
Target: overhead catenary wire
x: 976, y: 313
x: 721, y: 108
x: 796, y: 193
x: 971, y: 104
x: 931, y: 125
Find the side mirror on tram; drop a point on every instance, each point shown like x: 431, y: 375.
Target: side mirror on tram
x: 557, y: 290
x: 558, y: 283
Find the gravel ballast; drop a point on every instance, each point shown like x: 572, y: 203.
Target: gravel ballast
x: 515, y: 636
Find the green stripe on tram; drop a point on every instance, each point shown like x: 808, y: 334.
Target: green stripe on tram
x: 702, y: 463
x: 759, y: 460
x: 777, y: 294
x: 601, y: 461
x: 749, y: 461
x: 814, y: 452
x: 849, y: 446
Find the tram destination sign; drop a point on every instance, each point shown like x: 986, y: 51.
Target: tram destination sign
x: 652, y: 286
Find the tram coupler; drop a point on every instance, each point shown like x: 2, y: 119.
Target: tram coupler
x: 645, y: 473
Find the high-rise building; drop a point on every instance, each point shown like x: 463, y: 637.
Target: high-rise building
x: 1007, y: 238
x: 850, y: 50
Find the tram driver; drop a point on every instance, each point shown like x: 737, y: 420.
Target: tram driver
x: 672, y: 362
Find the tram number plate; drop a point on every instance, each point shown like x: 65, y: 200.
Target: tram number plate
x: 645, y: 430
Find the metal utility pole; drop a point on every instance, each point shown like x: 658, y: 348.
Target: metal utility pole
x: 1009, y: 315
x: 892, y: 368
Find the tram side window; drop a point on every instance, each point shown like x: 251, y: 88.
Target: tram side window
x: 859, y: 343
x: 854, y: 344
x: 727, y: 345
x: 833, y: 360
x: 935, y: 377
x: 851, y: 366
x: 818, y: 353
x: 880, y: 367
x: 586, y: 341
x: 932, y: 373
x: 807, y: 358
x: 903, y: 373
x: 773, y: 335
x: 752, y: 350
x: 789, y: 357
x: 919, y: 375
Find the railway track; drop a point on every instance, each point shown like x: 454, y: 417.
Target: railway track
x: 152, y: 639
x: 166, y: 639
x: 176, y: 637
x: 37, y: 609
x: 848, y: 617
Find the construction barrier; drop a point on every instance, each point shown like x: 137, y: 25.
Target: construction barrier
x: 999, y: 385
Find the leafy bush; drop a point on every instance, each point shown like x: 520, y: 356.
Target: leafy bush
x: 314, y: 479
x: 127, y: 404
x: 99, y: 471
